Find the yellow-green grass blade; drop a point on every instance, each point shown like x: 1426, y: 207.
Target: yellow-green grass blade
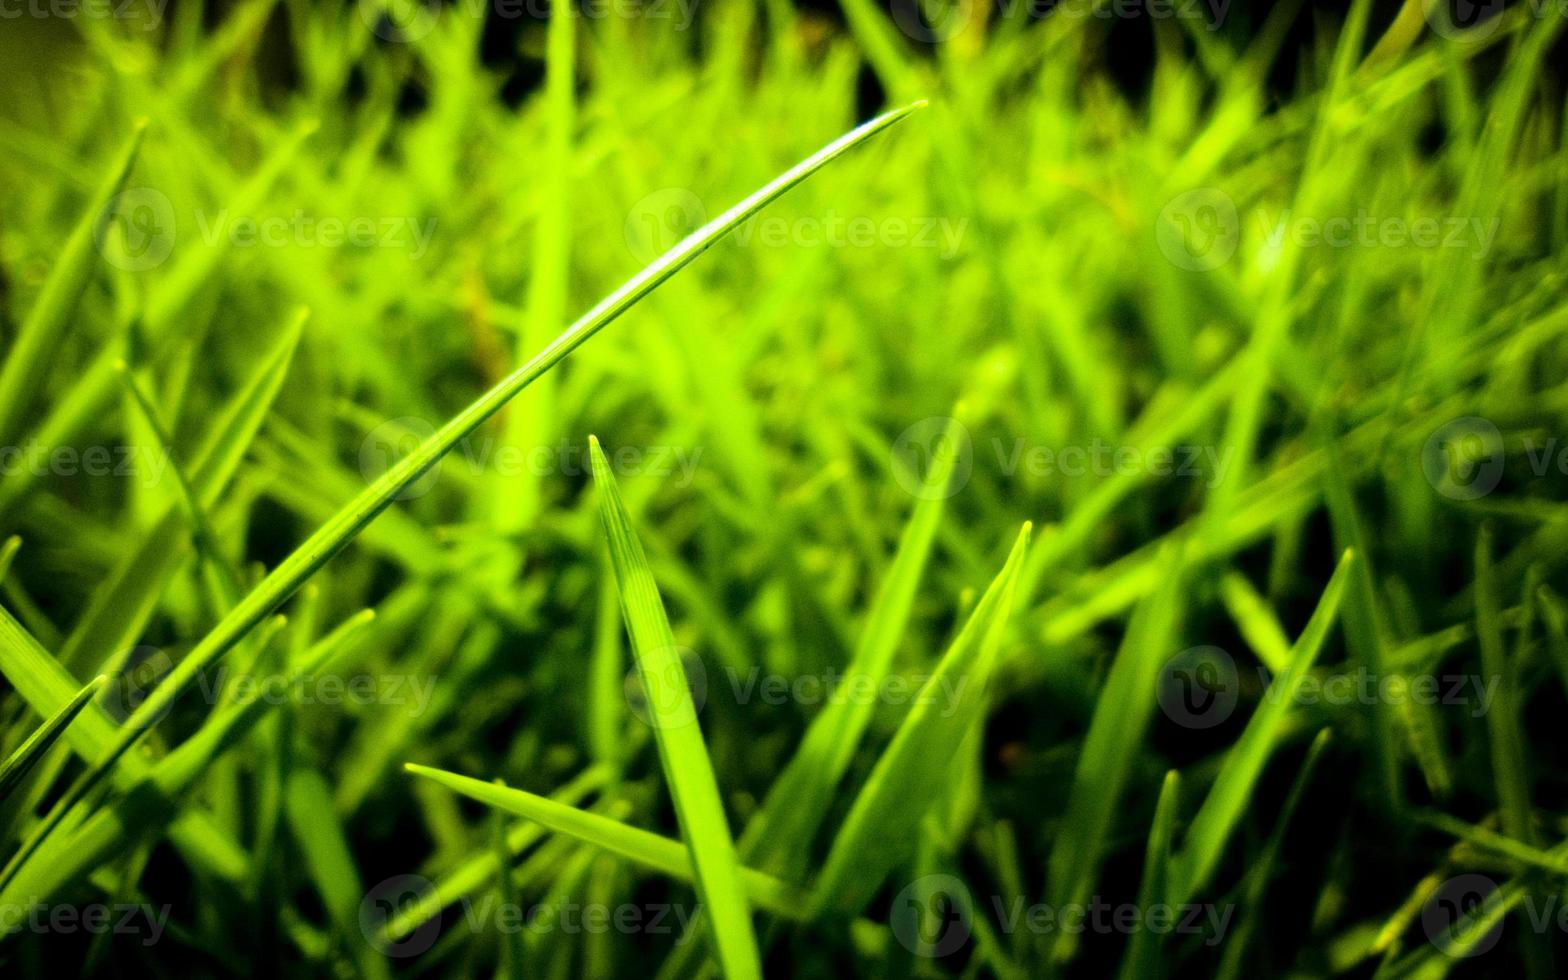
x: 650, y: 850
x: 336, y: 534
x: 688, y: 771
x: 1115, y: 737
x: 879, y: 833
x: 1222, y: 809
x: 39, y: 742
x: 30, y: 359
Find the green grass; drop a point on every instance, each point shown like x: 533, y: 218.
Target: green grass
x: 332, y: 637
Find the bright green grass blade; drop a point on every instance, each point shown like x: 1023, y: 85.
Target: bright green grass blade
x: 1142, y: 960
x: 778, y: 838
x: 880, y: 830
x: 1256, y: 621
x: 1227, y: 800
x: 688, y: 771
x: 639, y: 846
x: 29, y: 361
x: 30, y: 751
x: 336, y: 534
x: 1114, y: 739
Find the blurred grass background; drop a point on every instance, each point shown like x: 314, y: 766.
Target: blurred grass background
x: 1112, y: 234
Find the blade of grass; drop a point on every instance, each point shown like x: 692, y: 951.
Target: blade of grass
x: 639, y: 846
x: 880, y: 830
x: 30, y: 751
x: 336, y: 534
x: 46, y: 325
x: 688, y: 771
x: 1223, y: 807
x: 1142, y: 960
x: 1115, y: 736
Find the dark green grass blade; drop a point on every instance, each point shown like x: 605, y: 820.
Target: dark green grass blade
x: 30, y: 751
x: 1223, y: 808
x: 1115, y: 737
x: 688, y: 771
x: 337, y: 532
x: 1142, y: 961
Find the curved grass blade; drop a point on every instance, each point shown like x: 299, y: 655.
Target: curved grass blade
x: 337, y: 532
x: 30, y: 751
x: 694, y: 788
x: 881, y: 828
x: 639, y: 846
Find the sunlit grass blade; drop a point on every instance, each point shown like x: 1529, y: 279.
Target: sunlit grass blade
x: 641, y: 847
x: 688, y: 771
x: 1115, y: 736
x: 1216, y: 819
x: 336, y: 534
x: 880, y: 830
x: 29, y: 752
x: 30, y: 358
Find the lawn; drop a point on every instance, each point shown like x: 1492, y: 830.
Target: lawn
x: 655, y: 488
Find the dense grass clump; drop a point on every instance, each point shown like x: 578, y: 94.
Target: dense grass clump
x: 625, y: 489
